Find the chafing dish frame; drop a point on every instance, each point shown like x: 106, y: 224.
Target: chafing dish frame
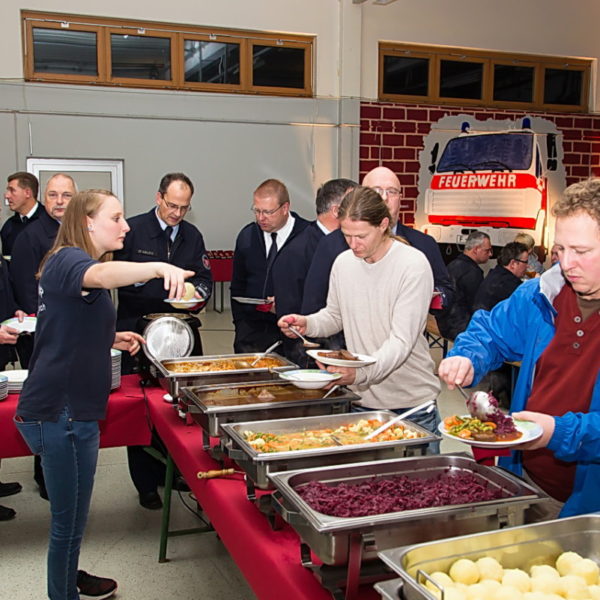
x: 210, y: 418
x: 257, y: 465
x: 510, y: 546
x: 338, y: 541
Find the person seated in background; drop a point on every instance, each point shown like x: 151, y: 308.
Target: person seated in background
x: 467, y: 276
x: 379, y: 294
x: 534, y: 264
x: 551, y: 325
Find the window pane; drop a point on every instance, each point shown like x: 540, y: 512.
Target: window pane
x: 562, y: 86
x: 276, y: 66
x: 513, y: 83
x: 460, y: 79
x: 405, y: 75
x: 64, y: 51
x: 211, y: 62
x: 140, y: 57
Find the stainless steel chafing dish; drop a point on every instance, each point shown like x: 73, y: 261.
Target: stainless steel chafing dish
x: 390, y: 589
x: 514, y: 548
x: 214, y: 405
x: 173, y: 381
x: 349, y: 541
x: 258, y: 465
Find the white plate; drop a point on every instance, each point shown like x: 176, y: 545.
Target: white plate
x: 243, y: 300
x: 531, y: 431
x: 183, y: 303
x: 363, y: 359
x: 309, y: 379
x: 15, y: 375
x: 26, y: 326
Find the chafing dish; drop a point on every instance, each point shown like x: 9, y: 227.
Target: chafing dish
x: 390, y: 589
x: 349, y: 541
x: 258, y: 465
x: 173, y: 381
x: 515, y: 547
x: 214, y: 405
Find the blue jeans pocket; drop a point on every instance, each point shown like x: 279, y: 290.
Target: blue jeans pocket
x: 31, y: 432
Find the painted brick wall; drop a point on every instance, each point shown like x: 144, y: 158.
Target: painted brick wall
x: 391, y: 135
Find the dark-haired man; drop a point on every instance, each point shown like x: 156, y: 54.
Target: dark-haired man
x: 21, y: 195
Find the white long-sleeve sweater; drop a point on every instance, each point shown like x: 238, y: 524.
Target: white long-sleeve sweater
x: 382, y: 308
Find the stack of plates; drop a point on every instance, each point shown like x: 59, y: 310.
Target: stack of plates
x: 15, y: 379
x: 3, y: 387
x: 115, y: 377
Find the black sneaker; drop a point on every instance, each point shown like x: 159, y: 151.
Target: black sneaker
x: 8, y: 489
x: 91, y: 586
x: 6, y: 514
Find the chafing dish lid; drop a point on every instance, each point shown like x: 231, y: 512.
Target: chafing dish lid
x: 168, y: 337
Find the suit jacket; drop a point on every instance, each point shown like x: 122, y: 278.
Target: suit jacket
x: 499, y: 284
x: 14, y: 226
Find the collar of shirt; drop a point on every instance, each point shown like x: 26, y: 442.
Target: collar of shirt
x: 282, y: 234
x: 31, y: 212
x: 323, y: 228
x: 163, y: 226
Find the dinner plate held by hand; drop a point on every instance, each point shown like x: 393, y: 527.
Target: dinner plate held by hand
x: 183, y: 303
x: 362, y: 359
x: 530, y: 430
x: 27, y: 325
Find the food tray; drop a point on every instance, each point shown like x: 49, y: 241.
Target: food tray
x: 390, y: 589
x: 514, y: 548
x: 214, y: 405
x: 173, y: 381
x: 258, y: 465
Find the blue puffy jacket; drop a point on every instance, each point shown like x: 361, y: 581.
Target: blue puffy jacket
x: 519, y: 329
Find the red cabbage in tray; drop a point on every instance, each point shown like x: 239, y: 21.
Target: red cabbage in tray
x: 379, y: 495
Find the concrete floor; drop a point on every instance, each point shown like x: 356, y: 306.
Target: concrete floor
x: 121, y: 539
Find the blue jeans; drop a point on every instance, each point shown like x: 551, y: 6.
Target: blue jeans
x: 69, y: 452
x: 427, y: 420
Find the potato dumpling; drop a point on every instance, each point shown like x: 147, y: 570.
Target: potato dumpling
x: 573, y: 587
x: 534, y: 596
x: 489, y: 568
x: 464, y: 571
x: 188, y: 294
x: 566, y: 561
x: 453, y: 593
x: 587, y: 569
x: 477, y: 591
x: 546, y: 585
x: 507, y: 592
x: 516, y: 578
x: 544, y: 571
x: 439, y: 577
x: 594, y: 591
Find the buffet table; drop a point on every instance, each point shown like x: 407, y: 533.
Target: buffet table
x: 268, y: 559
x: 126, y: 422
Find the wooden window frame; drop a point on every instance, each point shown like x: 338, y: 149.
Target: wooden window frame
x: 437, y: 53
x: 178, y: 33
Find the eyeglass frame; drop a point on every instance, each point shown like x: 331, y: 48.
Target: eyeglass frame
x: 391, y: 192
x: 175, y: 207
x: 525, y: 262
x: 267, y: 213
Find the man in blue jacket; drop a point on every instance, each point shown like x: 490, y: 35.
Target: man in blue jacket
x: 551, y: 325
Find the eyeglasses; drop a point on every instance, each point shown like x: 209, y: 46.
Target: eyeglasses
x: 267, y: 213
x: 525, y: 262
x: 389, y: 192
x: 56, y: 195
x: 176, y: 207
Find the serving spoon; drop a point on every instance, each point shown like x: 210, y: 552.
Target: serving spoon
x: 263, y: 354
x: 429, y: 405
x: 307, y: 343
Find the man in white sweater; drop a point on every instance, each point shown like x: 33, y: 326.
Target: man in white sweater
x: 379, y: 294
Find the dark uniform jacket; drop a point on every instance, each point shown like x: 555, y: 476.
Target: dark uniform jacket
x: 249, y: 280
x: 7, y: 309
x: 13, y: 227
x: 499, y: 284
x: 147, y: 242
x: 467, y: 277
x: 28, y: 251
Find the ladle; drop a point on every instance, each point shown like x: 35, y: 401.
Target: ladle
x: 307, y: 343
x: 271, y: 347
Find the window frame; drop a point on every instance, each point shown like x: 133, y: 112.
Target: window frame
x: 178, y: 33
x: 437, y: 53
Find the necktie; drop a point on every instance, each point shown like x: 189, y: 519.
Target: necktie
x: 270, y: 259
x: 168, y: 234
x: 24, y: 219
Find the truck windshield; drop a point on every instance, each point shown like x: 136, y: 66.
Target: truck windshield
x: 489, y: 152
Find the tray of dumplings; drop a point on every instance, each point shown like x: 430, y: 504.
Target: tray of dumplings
x: 551, y: 559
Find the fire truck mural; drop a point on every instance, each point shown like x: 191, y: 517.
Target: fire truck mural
x: 499, y: 177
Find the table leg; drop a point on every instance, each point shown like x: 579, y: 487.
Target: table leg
x: 354, y: 562
x: 166, y: 512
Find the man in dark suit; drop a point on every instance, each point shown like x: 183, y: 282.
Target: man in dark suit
x: 257, y: 248
x: 21, y: 195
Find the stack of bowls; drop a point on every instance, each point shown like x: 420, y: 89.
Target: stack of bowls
x: 3, y: 387
x: 115, y: 377
x: 15, y: 378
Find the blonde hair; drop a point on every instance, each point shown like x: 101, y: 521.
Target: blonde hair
x: 526, y: 239
x: 583, y: 196
x: 73, y: 231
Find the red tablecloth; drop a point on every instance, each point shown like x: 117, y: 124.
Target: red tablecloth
x: 126, y: 422
x: 269, y: 560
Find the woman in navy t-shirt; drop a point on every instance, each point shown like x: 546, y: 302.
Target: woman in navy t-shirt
x: 70, y: 372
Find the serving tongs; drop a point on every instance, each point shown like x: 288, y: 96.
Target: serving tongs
x: 263, y: 354
x: 429, y: 405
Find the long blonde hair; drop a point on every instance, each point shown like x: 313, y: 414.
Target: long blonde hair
x: 73, y: 231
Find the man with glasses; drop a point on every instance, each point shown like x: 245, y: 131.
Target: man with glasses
x: 256, y: 250
x: 162, y: 235
x: 467, y: 277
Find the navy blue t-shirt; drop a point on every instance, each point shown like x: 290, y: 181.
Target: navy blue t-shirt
x: 71, y: 364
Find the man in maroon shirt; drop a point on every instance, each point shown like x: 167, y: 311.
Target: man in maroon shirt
x: 552, y: 326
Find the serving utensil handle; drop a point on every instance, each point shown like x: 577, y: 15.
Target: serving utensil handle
x: 214, y: 473
x: 400, y: 417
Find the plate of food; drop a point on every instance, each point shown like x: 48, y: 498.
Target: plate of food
x: 487, y: 434
x: 179, y: 303
x: 243, y: 300
x: 341, y: 358
x: 27, y: 325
